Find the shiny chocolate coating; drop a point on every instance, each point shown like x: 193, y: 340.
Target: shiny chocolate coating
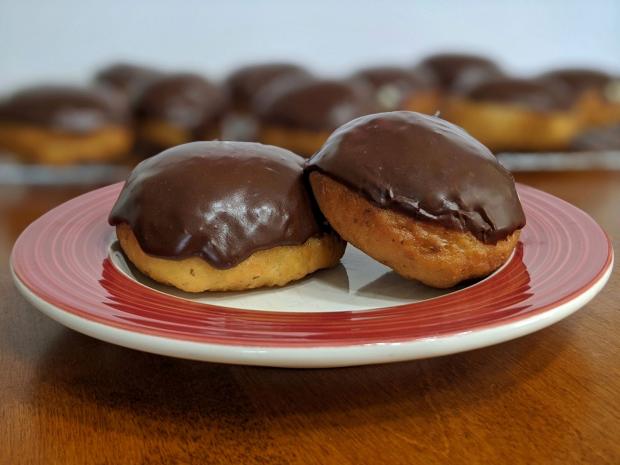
x: 535, y: 94
x: 246, y: 82
x: 449, y: 67
x: 313, y: 104
x: 424, y: 167
x: 221, y: 201
x: 126, y: 78
x: 63, y: 109
x: 184, y: 100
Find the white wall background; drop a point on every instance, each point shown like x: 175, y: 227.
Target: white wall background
x: 68, y: 39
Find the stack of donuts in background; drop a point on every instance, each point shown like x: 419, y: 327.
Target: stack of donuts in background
x: 128, y: 112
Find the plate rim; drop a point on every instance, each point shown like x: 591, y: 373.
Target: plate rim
x: 326, y: 355
x: 320, y: 356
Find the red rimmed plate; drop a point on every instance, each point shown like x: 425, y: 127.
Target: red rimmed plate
x: 68, y: 265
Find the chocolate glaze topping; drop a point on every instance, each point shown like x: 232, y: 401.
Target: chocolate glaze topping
x: 126, y: 78
x: 221, y: 201
x: 537, y: 94
x: 62, y: 108
x: 245, y: 83
x: 311, y: 104
x: 424, y: 167
x: 448, y: 67
x: 184, y: 100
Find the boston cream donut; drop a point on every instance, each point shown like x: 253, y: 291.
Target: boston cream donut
x: 301, y: 114
x: 178, y: 108
x: 397, y: 88
x: 222, y: 216
x: 419, y: 195
x: 63, y: 124
x: 516, y: 114
x: 597, y: 93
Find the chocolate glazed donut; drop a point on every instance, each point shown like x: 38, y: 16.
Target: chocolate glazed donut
x: 418, y: 194
x: 223, y: 216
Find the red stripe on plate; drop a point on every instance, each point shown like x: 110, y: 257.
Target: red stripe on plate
x: 62, y: 258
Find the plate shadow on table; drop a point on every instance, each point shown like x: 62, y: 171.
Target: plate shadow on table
x: 152, y: 386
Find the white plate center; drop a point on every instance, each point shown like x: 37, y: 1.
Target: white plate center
x: 357, y: 283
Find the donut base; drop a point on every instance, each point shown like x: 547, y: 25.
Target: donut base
x: 271, y: 267
x: 505, y: 127
x: 435, y: 255
x: 41, y: 145
x: 300, y: 141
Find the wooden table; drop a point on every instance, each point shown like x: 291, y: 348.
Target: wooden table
x: 551, y: 397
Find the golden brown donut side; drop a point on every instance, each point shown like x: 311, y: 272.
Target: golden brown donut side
x: 504, y: 127
x: 271, y: 267
x: 40, y: 145
x: 432, y: 254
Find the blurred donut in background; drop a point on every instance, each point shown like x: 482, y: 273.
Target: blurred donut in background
x: 301, y: 114
x: 597, y: 92
x: 243, y: 85
x: 125, y: 78
x: 246, y: 82
x: 399, y: 88
x: 516, y: 114
x: 448, y: 68
x: 64, y: 124
x: 178, y: 108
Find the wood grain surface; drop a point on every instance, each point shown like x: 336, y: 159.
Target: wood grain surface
x: 551, y: 397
